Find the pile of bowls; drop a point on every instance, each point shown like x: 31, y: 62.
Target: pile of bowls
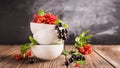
x: 50, y: 46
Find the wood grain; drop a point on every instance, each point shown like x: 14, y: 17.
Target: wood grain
x: 110, y: 53
x: 7, y: 60
x: 56, y: 63
x: 103, y: 56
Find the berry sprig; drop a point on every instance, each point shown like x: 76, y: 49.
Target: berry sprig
x: 27, y: 46
x: 77, y: 58
x: 81, y: 48
x: 82, y: 43
x: 20, y: 57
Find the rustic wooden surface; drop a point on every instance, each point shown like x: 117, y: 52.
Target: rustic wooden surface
x: 103, y: 56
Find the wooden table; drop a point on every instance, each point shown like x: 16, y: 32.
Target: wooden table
x: 104, y: 56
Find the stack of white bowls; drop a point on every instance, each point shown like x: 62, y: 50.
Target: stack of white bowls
x: 50, y: 46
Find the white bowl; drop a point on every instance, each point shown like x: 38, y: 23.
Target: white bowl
x: 44, y: 33
x: 35, y: 27
x: 46, y: 36
x: 47, y: 52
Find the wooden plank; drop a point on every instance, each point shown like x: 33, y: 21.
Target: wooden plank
x: 92, y: 61
x: 4, y: 47
x: 8, y: 61
x: 109, y: 52
x: 103, y: 57
x: 5, y: 53
x: 57, y: 63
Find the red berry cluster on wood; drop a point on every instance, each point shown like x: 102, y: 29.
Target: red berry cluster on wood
x: 20, y: 57
x: 86, y: 49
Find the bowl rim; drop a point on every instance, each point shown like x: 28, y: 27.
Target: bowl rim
x: 49, y: 45
x: 42, y: 23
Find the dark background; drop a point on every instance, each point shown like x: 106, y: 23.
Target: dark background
x: 99, y: 17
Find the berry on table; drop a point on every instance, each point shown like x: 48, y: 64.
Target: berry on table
x: 17, y: 56
x: 76, y: 64
x: 66, y: 63
x: 31, y: 60
x: 29, y: 53
x: 74, y: 56
x: 71, y: 60
x: 81, y: 49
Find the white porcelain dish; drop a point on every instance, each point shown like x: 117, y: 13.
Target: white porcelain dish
x: 47, y: 52
x: 44, y: 33
x: 35, y: 27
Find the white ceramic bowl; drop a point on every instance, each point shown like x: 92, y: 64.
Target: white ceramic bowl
x: 35, y: 27
x: 44, y: 33
x: 47, y: 52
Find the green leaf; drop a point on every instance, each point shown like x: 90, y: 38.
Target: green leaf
x: 81, y: 61
x: 65, y: 26
x: 83, y: 34
x: 65, y: 52
x: 89, y: 36
x: 57, y: 22
x: 41, y: 12
x: 77, y: 53
x: 75, y: 45
x: 25, y: 47
x: 82, y: 38
x: 77, y: 39
x: 32, y: 40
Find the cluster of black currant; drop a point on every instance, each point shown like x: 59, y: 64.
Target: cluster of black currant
x: 62, y: 32
x: 74, y: 58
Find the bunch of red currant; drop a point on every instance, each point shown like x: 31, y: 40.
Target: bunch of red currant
x: 28, y: 54
x: 86, y: 49
x: 46, y: 18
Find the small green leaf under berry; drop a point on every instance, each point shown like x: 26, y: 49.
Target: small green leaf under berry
x: 81, y: 61
x: 65, y: 52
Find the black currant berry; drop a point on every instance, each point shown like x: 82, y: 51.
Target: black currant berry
x: 64, y: 38
x: 83, y: 58
x: 74, y: 56
x: 80, y: 57
x: 60, y: 24
x: 59, y: 31
x: 59, y: 36
x: 56, y: 28
x: 31, y: 61
x: 65, y: 30
x: 71, y: 60
x: 66, y: 63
